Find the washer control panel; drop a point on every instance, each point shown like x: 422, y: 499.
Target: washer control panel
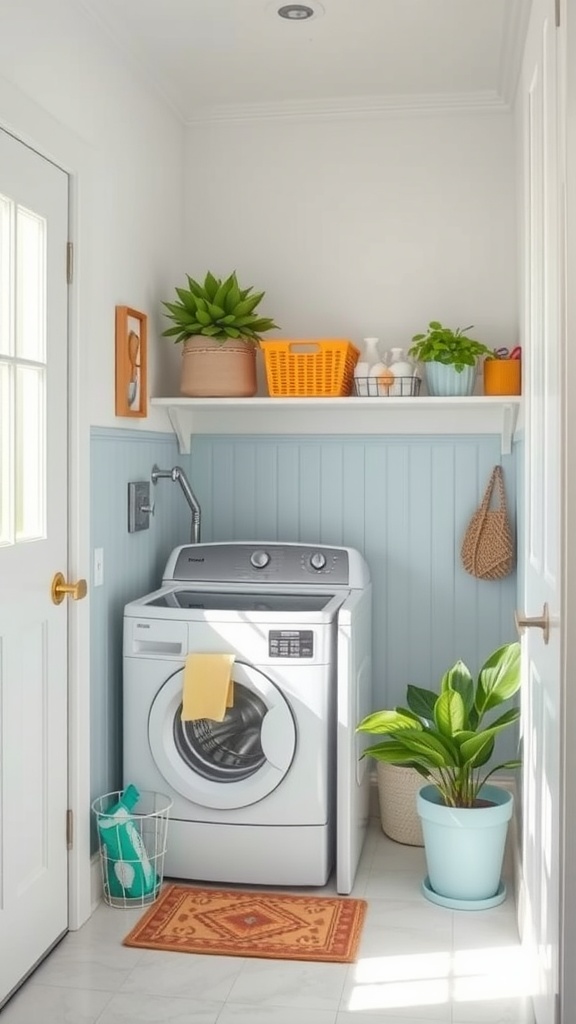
x: 273, y: 563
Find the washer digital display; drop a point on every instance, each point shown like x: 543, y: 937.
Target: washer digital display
x: 291, y: 643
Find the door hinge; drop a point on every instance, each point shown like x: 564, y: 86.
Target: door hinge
x: 557, y: 12
x: 69, y: 262
x: 69, y: 829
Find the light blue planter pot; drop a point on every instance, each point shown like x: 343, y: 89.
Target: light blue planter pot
x: 445, y: 381
x: 464, y: 846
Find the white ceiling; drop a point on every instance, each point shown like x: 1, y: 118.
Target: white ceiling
x: 233, y: 58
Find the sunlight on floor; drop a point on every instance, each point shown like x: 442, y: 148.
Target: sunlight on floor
x: 431, y: 979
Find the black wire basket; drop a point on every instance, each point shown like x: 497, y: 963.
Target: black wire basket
x: 374, y: 387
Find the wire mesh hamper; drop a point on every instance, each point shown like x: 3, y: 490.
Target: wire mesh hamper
x: 132, y: 846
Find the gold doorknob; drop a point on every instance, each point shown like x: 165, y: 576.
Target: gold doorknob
x: 60, y: 589
x: 538, y: 622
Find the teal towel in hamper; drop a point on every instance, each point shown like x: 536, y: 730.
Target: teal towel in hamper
x: 128, y: 868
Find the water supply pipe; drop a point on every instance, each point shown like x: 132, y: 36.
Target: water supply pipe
x: 178, y: 476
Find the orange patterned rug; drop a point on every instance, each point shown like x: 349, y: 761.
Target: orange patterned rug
x: 224, y: 922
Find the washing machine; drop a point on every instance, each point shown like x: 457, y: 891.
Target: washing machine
x: 277, y: 792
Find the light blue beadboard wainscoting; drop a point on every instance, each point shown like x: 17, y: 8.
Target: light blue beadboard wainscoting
x: 404, y: 502
x: 133, y: 565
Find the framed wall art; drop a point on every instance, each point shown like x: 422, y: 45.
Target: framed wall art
x: 131, y: 362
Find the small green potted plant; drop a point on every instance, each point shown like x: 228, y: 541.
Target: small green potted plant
x: 445, y: 737
x: 219, y: 327
x: 450, y: 357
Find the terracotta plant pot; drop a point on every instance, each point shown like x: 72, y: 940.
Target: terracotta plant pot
x: 212, y: 369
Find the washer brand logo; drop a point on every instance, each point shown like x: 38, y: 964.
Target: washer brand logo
x: 192, y: 559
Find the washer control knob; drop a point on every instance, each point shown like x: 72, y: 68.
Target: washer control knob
x: 317, y: 560
x: 259, y: 559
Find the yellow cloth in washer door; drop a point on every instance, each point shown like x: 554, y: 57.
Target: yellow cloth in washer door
x: 208, y: 688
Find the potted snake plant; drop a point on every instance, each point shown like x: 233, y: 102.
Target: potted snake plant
x: 217, y: 323
x: 450, y: 358
x: 445, y: 736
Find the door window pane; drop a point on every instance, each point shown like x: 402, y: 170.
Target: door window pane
x: 30, y: 452
x: 6, y: 333
x: 22, y: 373
x: 30, y: 285
x: 6, y: 500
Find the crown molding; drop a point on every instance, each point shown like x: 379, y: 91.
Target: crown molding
x: 516, y: 21
x: 348, y: 108
x: 344, y: 108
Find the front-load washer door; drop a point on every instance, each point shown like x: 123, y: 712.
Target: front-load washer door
x: 228, y: 764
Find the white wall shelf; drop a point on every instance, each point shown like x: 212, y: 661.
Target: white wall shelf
x: 426, y: 415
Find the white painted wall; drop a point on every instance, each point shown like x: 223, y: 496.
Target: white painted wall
x: 68, y: 90
x: 361, y: 227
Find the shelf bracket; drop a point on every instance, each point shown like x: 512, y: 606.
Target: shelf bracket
x: 509, y: 417
x: 181, y: 427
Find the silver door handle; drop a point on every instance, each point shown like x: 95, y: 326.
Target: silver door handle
x: 538, y: 622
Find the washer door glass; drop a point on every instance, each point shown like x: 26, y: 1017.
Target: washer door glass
x: 228, y: 764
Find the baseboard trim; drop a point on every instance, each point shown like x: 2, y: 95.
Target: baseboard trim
x: 95, y: 881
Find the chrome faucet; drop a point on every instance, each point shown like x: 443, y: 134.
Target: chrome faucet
x: 177, y: 475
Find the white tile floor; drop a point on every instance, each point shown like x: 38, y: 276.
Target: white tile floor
x: 417, y: 964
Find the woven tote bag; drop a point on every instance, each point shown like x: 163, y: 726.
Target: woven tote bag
x: 488, y: 548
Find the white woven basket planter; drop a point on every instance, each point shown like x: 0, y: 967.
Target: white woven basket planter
x: 397, y: 790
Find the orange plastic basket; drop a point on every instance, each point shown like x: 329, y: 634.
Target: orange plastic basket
x: 310, y: 368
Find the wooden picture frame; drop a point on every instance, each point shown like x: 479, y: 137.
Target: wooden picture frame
x: 131, y: 362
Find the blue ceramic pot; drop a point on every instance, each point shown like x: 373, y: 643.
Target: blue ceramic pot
x: 445, y: 381
x: 464, y: 846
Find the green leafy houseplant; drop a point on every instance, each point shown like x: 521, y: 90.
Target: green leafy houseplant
x: 443, y: 735
x: 443, y: 345
x: 218, y: 309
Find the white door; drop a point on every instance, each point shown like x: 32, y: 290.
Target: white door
x: 568, y: 900
x: 542, y: 727
x: 33, y: 545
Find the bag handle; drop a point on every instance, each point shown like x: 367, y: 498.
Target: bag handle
x: 496, y: 480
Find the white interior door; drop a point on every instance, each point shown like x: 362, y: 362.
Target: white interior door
x: 542, y: 731
x: 568, y: 889
x: 33, y: 545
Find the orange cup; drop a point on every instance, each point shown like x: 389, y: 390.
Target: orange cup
x: 502, y: 377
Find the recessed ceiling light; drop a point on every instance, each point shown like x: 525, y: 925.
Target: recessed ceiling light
x: 300, y: 12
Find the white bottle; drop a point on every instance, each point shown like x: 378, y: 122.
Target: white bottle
x: 372, y: 355
x: 376, y: 368
x: 400, y: 367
